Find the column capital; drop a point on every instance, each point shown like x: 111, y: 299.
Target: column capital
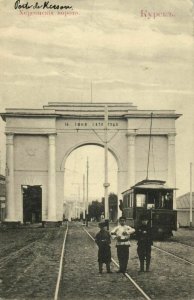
x: 52, y: 134
x: 9, y: 138
x: 131, y: 133
x: 171, y: 134
x: 131, y: 138
x: 171, y: 138
x: 52, y: 137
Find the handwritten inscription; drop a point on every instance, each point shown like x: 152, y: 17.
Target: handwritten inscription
x: 45, y: 5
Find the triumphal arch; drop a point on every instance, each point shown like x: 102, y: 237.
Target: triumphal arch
x: 38, y: 142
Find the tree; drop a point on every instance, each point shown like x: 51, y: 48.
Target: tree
x: 112, y: 200
x: 95, y: 210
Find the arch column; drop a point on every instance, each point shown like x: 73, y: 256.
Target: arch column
x: 171, y: 159
x: 172, y: 163
x: 52, y: 207
x: 131, y: 158
x: 10, y: 199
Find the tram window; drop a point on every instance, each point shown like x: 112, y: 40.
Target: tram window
x: 131, y: 200
x: 140, y: 200
x: 153, y: 200
x: 125, y: 201
x: 128, y: 200
x: 168, y: 201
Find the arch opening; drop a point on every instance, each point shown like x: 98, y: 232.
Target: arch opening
x: 87, y: 161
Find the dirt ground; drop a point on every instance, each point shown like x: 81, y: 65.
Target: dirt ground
x: 29, y: 264
x: 168, y: 279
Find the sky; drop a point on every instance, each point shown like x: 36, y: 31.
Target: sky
x: 132, y: 51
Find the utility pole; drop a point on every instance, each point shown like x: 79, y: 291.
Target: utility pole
x: 78, y: 208
x: 150, y: 136
x: 87, y: 192
x: 106, y: 184
x: 77, y: 201
x: 191, y: 197
x: 84, y: 209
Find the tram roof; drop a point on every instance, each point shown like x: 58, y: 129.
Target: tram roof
x: 151, y: 184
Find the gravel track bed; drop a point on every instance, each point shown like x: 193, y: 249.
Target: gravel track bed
x: 10, y: 241
x: 169, y: 278
x: 185, y: 236
x: 29, y: 264
x: 32, y: 274
x: 178, y: 249
x: 81, y: 279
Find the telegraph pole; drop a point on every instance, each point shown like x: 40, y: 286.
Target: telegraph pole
x: 77, y: 201
x: 84, y: 212
x: 106, y: 184
x: 87, y: 193
x: 191, y: 197
x: 78, y: 208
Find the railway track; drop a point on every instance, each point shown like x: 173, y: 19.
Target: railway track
x: 135, y: 281
x: 173, y: 255
x: 181, y: 243
x: 61, y: 265
x: 30, y: 271
x: 126, y: 274
x: 173, y: 248
x: 135, y: 289
x: 13, y: 255
x: 69, y: 273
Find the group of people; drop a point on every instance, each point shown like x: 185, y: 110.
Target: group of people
x: 122, y: 234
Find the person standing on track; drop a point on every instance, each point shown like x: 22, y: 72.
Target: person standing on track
x: 122, y: 234
x: 103, y: 240
x: 144, y: 244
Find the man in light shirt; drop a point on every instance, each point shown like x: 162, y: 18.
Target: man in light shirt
x: 122, y: 234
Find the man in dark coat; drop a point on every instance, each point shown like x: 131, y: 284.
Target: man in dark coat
x: 103, y: 241
x: 145, y: 241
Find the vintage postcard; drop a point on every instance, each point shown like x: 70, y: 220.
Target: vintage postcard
x: 97, y: 123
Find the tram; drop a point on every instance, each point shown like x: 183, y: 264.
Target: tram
x: 153, y: 199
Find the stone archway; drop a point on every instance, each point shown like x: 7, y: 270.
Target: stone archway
x: 75, y: 162
x: 37, y: 140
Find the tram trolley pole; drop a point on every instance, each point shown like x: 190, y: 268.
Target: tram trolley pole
x: 106, y: 184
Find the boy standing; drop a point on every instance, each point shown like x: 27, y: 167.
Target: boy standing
x: 103, y: 241
x: 122, y: 234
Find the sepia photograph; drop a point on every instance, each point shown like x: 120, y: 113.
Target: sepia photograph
x: 96, y: 150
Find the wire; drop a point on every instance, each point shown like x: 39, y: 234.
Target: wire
x: 149, y: 146
x: 153, y: 157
